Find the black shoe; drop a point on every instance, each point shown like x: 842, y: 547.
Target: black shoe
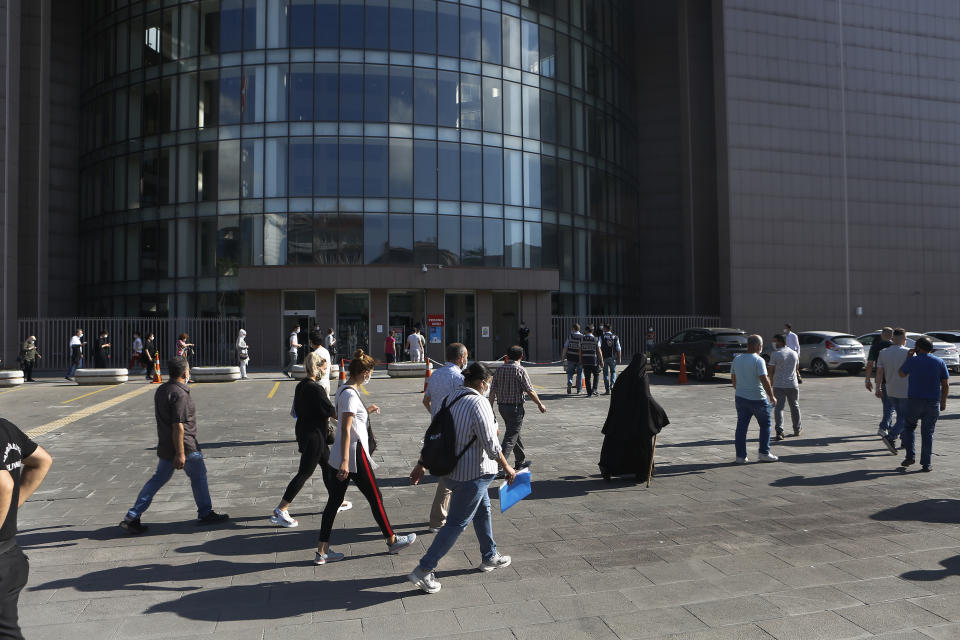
x: 569, y: 389
x: 213, y: 518
x: 607, y: 392
x: 133, y: 526
x: 779, y: 435
x: 523, y: 464
x: 926, y: 468
x: 907, y: 462
x: 796, y: 432
x: 890, y: 443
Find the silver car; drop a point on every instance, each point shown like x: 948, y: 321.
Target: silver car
x: 946, y: 351
x: 824, y: 351
x: 948, y: 335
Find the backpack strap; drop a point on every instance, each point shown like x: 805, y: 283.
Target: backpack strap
x: 474, y: 438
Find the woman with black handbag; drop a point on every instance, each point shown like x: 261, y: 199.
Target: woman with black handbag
x: 313, y: 410
x: 350, y: 460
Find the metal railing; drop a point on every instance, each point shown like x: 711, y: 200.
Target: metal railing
x: 215, y: 338
x: 631, y: 330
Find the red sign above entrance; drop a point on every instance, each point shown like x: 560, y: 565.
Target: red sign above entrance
x: 434, y: 320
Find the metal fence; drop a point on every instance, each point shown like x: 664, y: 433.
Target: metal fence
x: 631, y: 330
x: 214, y: 338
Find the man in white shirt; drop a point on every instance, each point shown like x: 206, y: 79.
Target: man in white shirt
x: 793, y: 343
x: 293, y: 346
x: 888, y: 367
x: 415, y: 345
x: 783, y: 372
x: 442, y: 383
x: 76, y: 353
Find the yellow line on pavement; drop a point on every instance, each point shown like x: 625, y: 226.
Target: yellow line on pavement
x: 17, y: 388
x: 536, y: 386
x: 85, y: 395
x: 365, y: 392
x: 276, y: 385
x: 88, y: 411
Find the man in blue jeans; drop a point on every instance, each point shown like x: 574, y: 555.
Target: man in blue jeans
x: 927, y: 388
x: 754, y: 398
x: 177, y: 448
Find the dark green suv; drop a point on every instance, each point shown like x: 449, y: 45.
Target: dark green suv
x: 708, y: 350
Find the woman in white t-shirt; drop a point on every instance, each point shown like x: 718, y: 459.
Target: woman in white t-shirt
x: 349, y: 458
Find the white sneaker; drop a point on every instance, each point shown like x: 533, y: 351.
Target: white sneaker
x: 402, y: 542
x: 743, y: 460
x: 433, y: 529
x: 881, y: 431
x: 282, y: 518
x: 496, y: 562
x: 329, y: 556
x: 346, y: 505
x: 426, y: 582
x: 767, y: 457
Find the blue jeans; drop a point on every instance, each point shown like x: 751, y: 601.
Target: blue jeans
x: 925, y: 411
x: 902, y: 407
x: 886, y: 419
x: 574, y: 368
x: 609, y: 365
x: 196, y: 471
x: 746, y: 409
x: 74, y: 367
x: 468, y: 502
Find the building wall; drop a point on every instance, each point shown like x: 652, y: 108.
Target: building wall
x: 841, y: 125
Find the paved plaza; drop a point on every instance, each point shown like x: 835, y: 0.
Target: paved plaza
x: 831, y: 542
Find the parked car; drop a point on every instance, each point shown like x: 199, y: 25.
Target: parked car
x: 950, y: 335
x: 708, y: 350
x: 824, y: 351
x: 946, y: 351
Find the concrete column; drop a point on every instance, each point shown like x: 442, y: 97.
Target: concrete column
x: 484, y: 319
x: 378, y: 316
x: 326, y: 309
x: 263, y: 311
x: 9, y: 230
x: 535, y: 310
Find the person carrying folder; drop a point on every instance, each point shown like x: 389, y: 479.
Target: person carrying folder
x: 476, y: 468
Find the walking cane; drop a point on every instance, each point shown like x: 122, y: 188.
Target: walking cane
x: 650, y: 474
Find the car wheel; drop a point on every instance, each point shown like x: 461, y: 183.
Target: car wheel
x: 819, y: 367
x: 656, y: 361
x: 701, y: 370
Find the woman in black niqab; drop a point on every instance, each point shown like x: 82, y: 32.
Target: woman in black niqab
x: 632, y: 422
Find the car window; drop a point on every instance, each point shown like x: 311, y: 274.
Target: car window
x: 699, y: 336
x: 946, y: 337
x: 866, y: 340
x: 734, y: 338
x: 846, y: 341
x: 807, y: 340
x: 677, y: 339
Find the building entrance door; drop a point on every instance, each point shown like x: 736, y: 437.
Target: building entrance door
x: 353, y: 323
x: 299, y: 309
x: 405, y: 311
x: 506, y: 307
x: 461, y: 320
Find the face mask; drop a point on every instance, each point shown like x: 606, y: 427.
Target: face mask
x: 486, y: 391
x: 365, y: 380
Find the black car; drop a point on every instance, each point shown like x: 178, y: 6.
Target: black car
x: 708, y: 350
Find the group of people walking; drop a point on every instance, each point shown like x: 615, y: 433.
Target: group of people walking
x: 337, y: 437
x: 586, y: 353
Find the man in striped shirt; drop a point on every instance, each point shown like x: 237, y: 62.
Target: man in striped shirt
x: 442, y: 383
x: 511, y: 384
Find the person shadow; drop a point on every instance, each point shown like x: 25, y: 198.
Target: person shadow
x: 857, y: 475
x: 951, y: 567
x: 933, y: 510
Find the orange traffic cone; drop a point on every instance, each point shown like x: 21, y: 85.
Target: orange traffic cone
x: 156, y: 372
x: 343, y: 374
x: 506, y: 359
x: 426, y: 375
x: 682, y: 378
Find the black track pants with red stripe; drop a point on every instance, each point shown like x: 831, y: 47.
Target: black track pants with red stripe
x: 367, y: 483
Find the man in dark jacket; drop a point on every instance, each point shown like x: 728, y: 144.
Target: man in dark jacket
x: 632, y: 422
x: 28, y: 357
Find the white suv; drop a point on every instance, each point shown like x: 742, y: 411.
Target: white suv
x: 951, y: 336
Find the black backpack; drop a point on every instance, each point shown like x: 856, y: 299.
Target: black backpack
x: 439, y: 453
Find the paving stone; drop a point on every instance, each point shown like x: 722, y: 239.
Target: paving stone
x: 881, y: 567
x: 826, y: 625
x: 411, y: 625
x: 738, y: 632
x: 943, y: 632
x: 945, y: 606
x: 599, y: 603
x: 530, y: 588
x: 496, y: 616
x: 890, y: 616
x: 811, y: 600
x: 579, y: 629
x: 882, y: 589
x: 811, y: 576
x: 735, y: 610
x: 654, y: 623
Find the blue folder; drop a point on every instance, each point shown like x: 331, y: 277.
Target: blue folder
x: 511, y: 494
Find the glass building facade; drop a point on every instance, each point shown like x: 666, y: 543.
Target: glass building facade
x: 219, y: 134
